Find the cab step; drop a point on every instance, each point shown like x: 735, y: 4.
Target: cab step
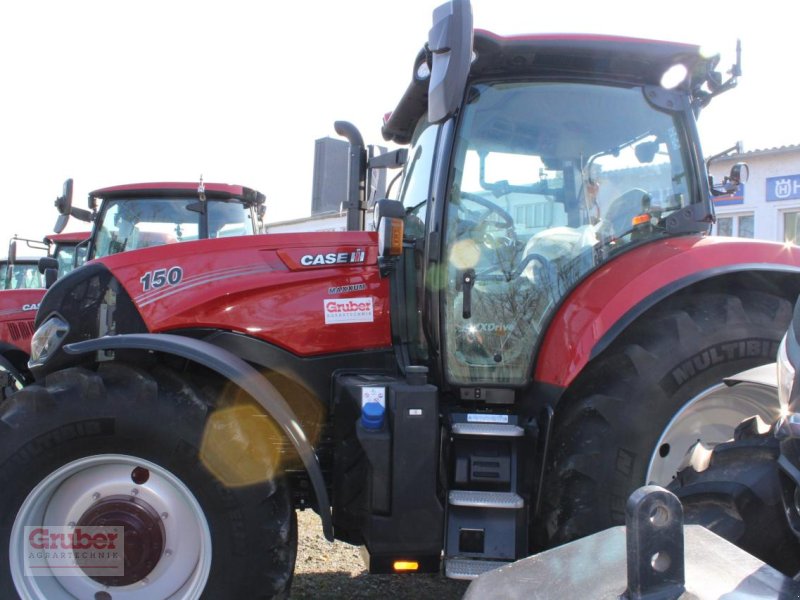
x: 508, y: 500
x: 465, y: 568
x: 488, y: 429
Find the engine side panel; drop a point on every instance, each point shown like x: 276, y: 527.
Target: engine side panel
x: 17, y: 311
x: 307, y: 293
x: 621, y: 289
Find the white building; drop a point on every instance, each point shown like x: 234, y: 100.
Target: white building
x: 767, y: 206
x: 334, y: 221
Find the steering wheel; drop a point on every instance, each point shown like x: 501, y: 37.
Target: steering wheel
x: 483, y: 224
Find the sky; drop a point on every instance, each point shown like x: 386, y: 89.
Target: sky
x: 110, y: 92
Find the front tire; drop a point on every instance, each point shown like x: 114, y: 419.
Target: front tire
x: 649, y: 398
x: 132, y: 439
x: 738, y: 496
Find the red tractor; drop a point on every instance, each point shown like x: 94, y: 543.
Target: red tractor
x: 26, y: 273
x: 22, y: 290
x: 124, y: 217
x: 540, y: 325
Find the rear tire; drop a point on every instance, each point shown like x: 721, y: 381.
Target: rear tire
x: 608, y: 425
x: 121, y: 418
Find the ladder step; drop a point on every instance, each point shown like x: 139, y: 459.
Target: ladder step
x: 508, y: 500
x: 488, y: 429
x: 464, y: 568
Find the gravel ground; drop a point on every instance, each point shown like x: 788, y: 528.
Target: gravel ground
x: 328, y: 571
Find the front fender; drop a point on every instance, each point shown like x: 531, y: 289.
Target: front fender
x: 239, y: 372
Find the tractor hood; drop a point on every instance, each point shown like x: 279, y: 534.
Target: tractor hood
x: 307, y: 296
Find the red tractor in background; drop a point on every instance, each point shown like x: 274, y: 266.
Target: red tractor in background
x: 25, y: 272
x: 124, y: 217
x: 23, y: 288
x: 540, y: 325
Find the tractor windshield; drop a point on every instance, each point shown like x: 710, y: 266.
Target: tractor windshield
x: 21, y: 275
x: 548, y: 181
x: 129, y: 224
x: 65, y: 255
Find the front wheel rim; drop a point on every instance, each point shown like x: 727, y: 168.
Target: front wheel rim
x: 710, y: 418
x: 78, y: 489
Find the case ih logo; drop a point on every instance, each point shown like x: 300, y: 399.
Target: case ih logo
x: 348, y: 310
x: 86, y: 551
x: 333, y: 258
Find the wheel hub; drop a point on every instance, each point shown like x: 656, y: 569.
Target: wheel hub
x: 144, y: 535
x: 708, y: 418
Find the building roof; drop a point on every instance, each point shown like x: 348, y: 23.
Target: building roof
x: 760, y: 152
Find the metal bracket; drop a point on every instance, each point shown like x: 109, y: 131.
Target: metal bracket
x: 654, y: 530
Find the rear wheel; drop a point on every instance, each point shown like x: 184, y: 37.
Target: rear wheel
x: 120, y: 448
x: 633, y: 415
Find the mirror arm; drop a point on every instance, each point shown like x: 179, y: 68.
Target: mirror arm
x: 82, y: 214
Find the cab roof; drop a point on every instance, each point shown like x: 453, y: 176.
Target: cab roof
x: 631, y: 61
x: 176, y: 189
x: 72, y: 237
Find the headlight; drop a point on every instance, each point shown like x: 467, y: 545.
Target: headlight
x: 46, y: 339
x: 785, y: 376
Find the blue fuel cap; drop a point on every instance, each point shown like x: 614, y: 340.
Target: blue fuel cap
x: 372, y: 415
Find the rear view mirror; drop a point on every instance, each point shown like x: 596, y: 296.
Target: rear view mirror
x: 48, y: 266
x: 65, y: 209
x: 64, y: 201
x: 646, y: 151
x: 63, y: 206
x: 12, y: 252
x: 50, y: 276
x: 740, y: 173
x: 47, y: 262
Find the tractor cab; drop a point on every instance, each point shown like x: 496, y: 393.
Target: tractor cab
x: 68, y: 250
x: 142, y: 215
x: 522, y: 181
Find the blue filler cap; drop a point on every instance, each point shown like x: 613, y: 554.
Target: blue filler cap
x: 372, y: 415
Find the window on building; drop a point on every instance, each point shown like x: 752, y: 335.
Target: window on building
x: 736, y: 226
x: 746, y: 226
x: 791, y: 227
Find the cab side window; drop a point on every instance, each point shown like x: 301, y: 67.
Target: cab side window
x: 415, y: 192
